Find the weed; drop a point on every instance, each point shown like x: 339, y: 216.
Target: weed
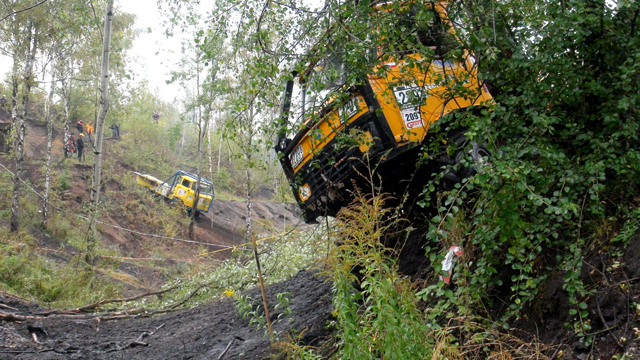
x: 57, y: 285
x: 291, y: 349
x: 388, y: 323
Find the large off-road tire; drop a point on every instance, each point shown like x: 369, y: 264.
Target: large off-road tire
x: 478, y: 155
x: 473, y: 152
x: 189, y: 211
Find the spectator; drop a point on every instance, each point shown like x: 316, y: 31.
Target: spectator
x: 70, y: 146
x: 80, y: 147
x: 80, y: 127
x: 90, y: 131
x: 115, y: 130
x: 156, y: 116
x: 3, y: 102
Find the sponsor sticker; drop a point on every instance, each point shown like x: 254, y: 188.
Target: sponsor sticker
x: 349, y: 109
x: 296, y: 156
x: 412, y: 118
x: 448, y: 64
x: 304, y: 192
x: 411, y: 95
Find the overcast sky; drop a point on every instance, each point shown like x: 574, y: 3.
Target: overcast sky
x: 144, y: 61
x: 146, y: 64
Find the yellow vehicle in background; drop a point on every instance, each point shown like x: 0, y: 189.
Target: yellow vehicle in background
x: 390, y: 112
x: 180, y: 188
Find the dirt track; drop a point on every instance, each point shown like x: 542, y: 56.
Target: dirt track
x: 199, y: 333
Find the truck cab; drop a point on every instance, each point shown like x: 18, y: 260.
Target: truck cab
x: 381, y: 121
x: 180, y: 188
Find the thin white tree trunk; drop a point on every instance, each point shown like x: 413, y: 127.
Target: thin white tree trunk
x: 184, y: 130
x: 247, y: 155
x: 28, y: 79
x: 14, y: 94
x: 65, y: 104
x: 201, y: 133
x: 92, y: 234
x: 47, y: 175
x: 210, y: 151
x: 65, y: 89
x: 220, y: 151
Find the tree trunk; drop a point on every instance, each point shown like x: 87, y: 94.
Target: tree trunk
x: 247, y: 234
x: 210, y: 151
x: 247, y: 154
x: 220, y: 151
x: 184, y: 130
x: 47, y: 175
x: 201, y: 132
x: 28, y: 80
x: 66, y: 93
x: 92, y: 234
x: 14, y: 92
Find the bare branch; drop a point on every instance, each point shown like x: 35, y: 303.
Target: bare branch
x: 25, y: 9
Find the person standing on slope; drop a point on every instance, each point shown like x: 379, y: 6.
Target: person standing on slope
x: 80, y: 146
x: 80, y: 127
x: 3, y: 102
x: 89, y: 129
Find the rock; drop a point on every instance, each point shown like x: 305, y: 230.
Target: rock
x: 580, y: 346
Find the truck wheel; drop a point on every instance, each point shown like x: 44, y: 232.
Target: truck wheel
x: 478, y: 154
x: 475, y: 155
x: 189, y: 210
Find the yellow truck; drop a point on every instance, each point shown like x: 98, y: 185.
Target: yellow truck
x: 390, y: 111
x: 180, y: 188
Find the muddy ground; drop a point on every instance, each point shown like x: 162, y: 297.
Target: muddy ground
x: 199, y: 333
x: 205, y: 331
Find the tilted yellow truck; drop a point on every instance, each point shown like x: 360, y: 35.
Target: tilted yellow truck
x: 390, y: 114
x: 180, y: 187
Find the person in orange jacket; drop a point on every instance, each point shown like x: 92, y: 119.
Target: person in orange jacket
x: 89, y: 129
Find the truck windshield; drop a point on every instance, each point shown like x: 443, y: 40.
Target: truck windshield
x: 323, y: 77
x: 206, y: 189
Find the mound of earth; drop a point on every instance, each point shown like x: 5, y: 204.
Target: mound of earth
x: 204, y: 332
x: 231, y: 214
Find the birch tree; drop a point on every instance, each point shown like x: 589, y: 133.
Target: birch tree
x: 32, y: 46
x: 49, y: 122
x: 92, y: 234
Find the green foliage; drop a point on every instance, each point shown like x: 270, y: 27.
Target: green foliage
x: 383, y: 319
x: 249, y: 308
x: 55, y: 285
x: 283, y: 258
x: 564, y: 137
x: 63, y: 180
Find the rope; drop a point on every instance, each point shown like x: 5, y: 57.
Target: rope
x: 102, y: 256
x: 226, y: 247
x: 223, y: 247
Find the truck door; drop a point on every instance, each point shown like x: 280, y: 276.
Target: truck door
x: 183, y: 191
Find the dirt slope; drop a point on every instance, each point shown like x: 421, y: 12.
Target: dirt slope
x: 199, y: 333
x: 129, y: 215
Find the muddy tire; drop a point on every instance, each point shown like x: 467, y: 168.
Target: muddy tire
x: 474, y: 153
x: 477, y: 154
x: 190, y: 210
